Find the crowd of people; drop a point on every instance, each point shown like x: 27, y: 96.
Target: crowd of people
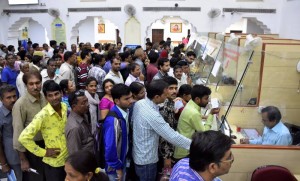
x: 53, y: 99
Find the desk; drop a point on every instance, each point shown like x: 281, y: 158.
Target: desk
x: 238, y: 135
x: 297, y: 177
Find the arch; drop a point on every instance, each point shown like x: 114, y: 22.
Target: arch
x: 185, y: 21
x: 263, y: 27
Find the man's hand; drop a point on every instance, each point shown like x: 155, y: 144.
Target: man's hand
x: 120, y: 174
x: 52, y: 152
x: 25, y: 165
x: 215, y: 111
x: 5, y: 168
x: 244, y: 141
x: 142, y: 77
x: 189, y: 80
x: 167, y: 163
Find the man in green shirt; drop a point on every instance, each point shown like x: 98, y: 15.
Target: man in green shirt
x: 50, y: 121
x: 190, y: 119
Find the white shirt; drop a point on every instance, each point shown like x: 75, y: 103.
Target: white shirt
x: 118, y: 79
x: 45, y: 77
x: 131, y: 79
x: 66, y: 71
x: 50, y: 52
x: 20, y: 84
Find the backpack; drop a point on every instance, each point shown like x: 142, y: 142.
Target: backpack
x: 99, y: 147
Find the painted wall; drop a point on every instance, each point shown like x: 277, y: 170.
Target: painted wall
x: 86, y: 31
x: 253, y: 28
x: 199, y: 20
x: 36, y: 32
x: 110, y: 31
x: 240, y: 25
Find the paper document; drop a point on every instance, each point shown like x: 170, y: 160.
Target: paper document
x: 178, y: 104
x: 216, y: 68
x: 11, y: 175
x: 214, y: 103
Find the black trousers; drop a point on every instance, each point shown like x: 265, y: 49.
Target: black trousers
x: 54, y: 173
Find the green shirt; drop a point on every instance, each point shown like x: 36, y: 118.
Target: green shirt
x: 189, y: 122
x: 52, y: 128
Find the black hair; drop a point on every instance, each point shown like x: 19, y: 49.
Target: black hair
x: 56, y: 56
x: 174, y: 61
x: 125, y: 55
x: 81, y: 44
x: 84, y: 162
x: 29, y: 57
x: 97, y: 45
x: 191, y: 53
x: 89, y: 80
x: 176, y: 67
x: 182, y: 63
x: 162, y: 61
x: 166, y: 44
x: 51, y: 60
x: 107, y: 46
x: 170, y: 80
x: 10, y: 47
x: 67, y: 55
x: 50, y: 86
x: 149, y: 44
x: 31, y: 73
x: 22, y: 54
x: 52, y: 42
x: 273, y: 113
x: 200, y: 91
x: 2, y: 47
x: 64, y: 84
x: 36, y: 59
x: 111, y: 54
x: 35, y: 45
x: 119, y: 42
x: 29, y: 42
x: 184, y: 89
x: 84, y: 53
x: 162, y: 42
x: 119, y: 90
x: 137, y: 47
x: 132, y: 66
x: 156, y: 87
x: 153, y: 56
x: 97, y: 59
x: 72, y: 97
x: 206, y: 148
x: 6, y: 88
x: 105, y: 81
x: 180, y: 46
x: 7, y: 55
x: 136, y: 87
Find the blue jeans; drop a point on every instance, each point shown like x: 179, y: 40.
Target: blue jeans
x: 114, y: 177
x: 146, y: 172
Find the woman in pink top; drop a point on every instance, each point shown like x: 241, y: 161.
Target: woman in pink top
x: 106, y: 102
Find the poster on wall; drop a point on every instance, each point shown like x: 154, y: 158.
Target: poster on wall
x: 58, y: 30
x: 101, y: 28
x: 24, y: 34
x: 176, y: 27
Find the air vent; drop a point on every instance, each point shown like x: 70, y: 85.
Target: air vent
x: 11, y: 11
x: 94, y: 9
x: 246, y: 10
x: 171, y: 8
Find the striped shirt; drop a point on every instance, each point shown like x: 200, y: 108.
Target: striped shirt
x: 148, y: 125
x: 82, y: 74
x: 183, y: 172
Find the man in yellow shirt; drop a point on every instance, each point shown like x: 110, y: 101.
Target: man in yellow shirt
x: 50, y: 121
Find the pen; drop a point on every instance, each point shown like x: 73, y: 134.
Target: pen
x: 33, y: 170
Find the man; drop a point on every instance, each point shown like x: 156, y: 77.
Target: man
x: 185, y: 78
x: 148, y: 125
x: 140, y: 59
x: 83, y: 68
x: 49, y: 73
x: 67, y: 68
x: 114, y: 74
x: 63, y: 46
x: 50, y: 122
x: 9, y: 74
x: 24, y: 67
x: 119, y: 47
x: 11, y: 49
x: 9, y: 157
x: 148, y: 47
x: 116, y: 150
x: 98, y: 72
x: 78, y: 129
x: 23, y: 112
x: 74, y: 48
x: 36, y: 47
x: 177, y: 71
x: 152, y: 67
x: 275, y: 132
x: 53, y: 45
x: 166, y: 149
x: 190, y: 119
x: 135, y: 73
x: 112, y: 54
x: 164, y: 67
x: 46, y: 50
x: 97, y: 48
x: 210, y: 157
x: 190, y: 57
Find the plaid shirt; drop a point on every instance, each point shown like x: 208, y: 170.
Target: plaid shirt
x: 99, y: 74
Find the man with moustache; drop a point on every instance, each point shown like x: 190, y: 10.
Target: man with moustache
x: 50, y: 122
x: 9, y: 157
x: 190, y: 118
x: 166, y: 149
x: 24, y: 110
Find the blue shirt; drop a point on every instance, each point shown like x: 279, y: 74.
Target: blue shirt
x: 107, y: 66
x: 278, y: 135
x: 148, y: 126
x: 6, y: 134
x: 183, y: 172
x: 9, y: 76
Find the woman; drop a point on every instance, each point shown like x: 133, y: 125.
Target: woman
x: 82, y: 166
x: 67, y: 88
x: 106, y: 102
x: 93, y: 99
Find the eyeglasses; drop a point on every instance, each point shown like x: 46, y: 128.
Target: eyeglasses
x: 231, y: 160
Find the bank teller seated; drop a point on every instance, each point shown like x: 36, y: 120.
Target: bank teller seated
x: 275, y: 132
